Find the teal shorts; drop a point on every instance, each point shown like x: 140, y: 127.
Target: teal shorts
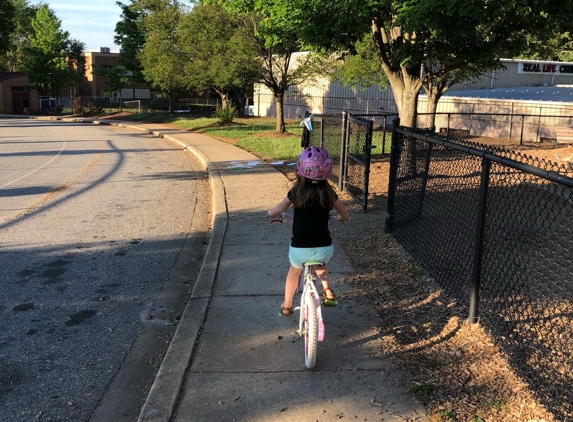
x: 298, y: 256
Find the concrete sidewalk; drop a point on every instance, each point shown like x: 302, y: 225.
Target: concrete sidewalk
x: 232, y: 358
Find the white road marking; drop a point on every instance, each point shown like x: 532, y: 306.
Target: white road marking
x: 42, y: 166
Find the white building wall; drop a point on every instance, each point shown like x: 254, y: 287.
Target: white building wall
x: 325, y: 97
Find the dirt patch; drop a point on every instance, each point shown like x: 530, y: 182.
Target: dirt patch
x: 456, y: 370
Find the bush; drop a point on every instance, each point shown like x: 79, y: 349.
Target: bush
x: 226, y: 115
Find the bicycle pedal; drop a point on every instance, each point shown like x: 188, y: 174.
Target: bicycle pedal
x: 330, y: 303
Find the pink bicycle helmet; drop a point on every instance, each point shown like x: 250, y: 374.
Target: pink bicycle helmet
x: 314, y: 163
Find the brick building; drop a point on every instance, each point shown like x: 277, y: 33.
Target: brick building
x: 12, y: 91
x: 95, y: 85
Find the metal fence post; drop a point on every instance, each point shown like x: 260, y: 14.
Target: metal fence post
x: 522, y: 125
x: 367, y: 153
x: 342, y: 172
x: 448, y: 127
x: 425, y: 176
x: 322, y: 132
x: 394, y: 158
x: 478, y: 247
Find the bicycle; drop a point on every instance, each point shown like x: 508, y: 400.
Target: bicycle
x: 311, y: 324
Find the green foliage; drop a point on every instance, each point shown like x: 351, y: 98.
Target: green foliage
x: 219, y: 56
x: 498, y: 405
x: 557, y: 46
x: 18, y: 40
x: 7, y: 24
x: 273, y: 28
x: 161, y: 57
x: 226, y: 114
x: 423, y: 392
x: 52, y: 62
x: 131, y: 36
x: 414, y: 268
x: 448, y: 40
x: 116, y: 77
x: 449, y: 415
x: 362, y: 67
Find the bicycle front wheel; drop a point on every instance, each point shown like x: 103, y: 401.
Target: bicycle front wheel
x: 310, y: 329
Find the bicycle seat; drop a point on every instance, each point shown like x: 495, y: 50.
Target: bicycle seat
x: 313, y: 263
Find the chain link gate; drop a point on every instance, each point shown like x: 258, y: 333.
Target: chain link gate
x: 348, y: 139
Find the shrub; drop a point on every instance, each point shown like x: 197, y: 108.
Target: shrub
x: 226, y: 114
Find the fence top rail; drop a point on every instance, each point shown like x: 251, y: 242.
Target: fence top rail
x: 358, y: 119
x: 387, y: 114
x: 527, y: 168
x: 444, y: 113
x: 338, y: 115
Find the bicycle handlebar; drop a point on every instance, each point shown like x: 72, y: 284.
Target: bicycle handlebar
x: 289, y: 216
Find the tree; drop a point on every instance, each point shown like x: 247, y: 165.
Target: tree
x: 130, y: 36
x: 220, y: 55
x: 52, y: 62
x: 272, y: 26
x: 116, y: 78
x: 425, y: 43
x: 18, y: 39
x: 7, y: 24
x: 161, y: 55
x: 559, y: 46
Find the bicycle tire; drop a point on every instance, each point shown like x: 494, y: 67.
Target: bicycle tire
x: 310, y: 330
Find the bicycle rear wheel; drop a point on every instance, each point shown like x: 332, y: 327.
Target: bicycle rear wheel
x: 310, y: 328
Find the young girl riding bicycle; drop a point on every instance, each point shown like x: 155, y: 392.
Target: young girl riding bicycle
x: 312, y: 198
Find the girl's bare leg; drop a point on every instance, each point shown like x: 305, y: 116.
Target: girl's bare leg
x: 290, y: 286
x: 322, y: 273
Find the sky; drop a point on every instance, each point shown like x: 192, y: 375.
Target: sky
x: 89, y: 21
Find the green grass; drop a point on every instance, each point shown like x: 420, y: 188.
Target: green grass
x: 286, y: 149
x: 498, y: 405
x: 254, y: 134
x: 414, y: 268
x: 449, y: 415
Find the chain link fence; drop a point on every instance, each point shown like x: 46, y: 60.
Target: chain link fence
x: 95, y: 105
x: 381, y: 132
x: 348, y: 139
x: 327, y: 133
x: 494, y: 229
x: 358, y: 140
x: 514, y: 128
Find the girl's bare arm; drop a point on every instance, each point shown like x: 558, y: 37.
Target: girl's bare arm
x: 341, y: 210
x: 280, y: 207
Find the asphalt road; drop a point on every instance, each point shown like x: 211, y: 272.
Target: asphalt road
x: 101, y: 232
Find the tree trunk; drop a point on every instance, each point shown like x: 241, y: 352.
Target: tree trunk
x: 405, y: 89
x: 224, y: 98
x: 242, y: 100
x: 431, y: 106
x: 279, y: 99
x: 404, y: 80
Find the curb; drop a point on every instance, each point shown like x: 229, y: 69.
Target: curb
x: 162, y: 398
